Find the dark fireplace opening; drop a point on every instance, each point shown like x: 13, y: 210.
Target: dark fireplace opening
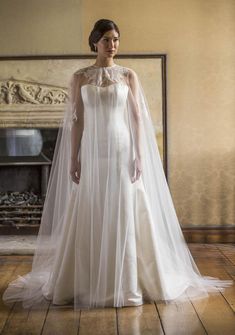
x: 25, y: 161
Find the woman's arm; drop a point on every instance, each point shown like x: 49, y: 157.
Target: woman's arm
x: 135, y: 113
x: 77, y: 128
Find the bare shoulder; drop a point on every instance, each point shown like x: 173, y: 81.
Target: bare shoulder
x: 131, y: 73
x: 79, y: 76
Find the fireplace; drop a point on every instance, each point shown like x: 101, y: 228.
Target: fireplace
x: 25, y: 161
x: 30, y: 116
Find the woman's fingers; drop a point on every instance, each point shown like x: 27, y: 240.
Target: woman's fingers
x: 137, y: 176
x: 75, y: 179
x: 137, y: 170
x: 75, y: 172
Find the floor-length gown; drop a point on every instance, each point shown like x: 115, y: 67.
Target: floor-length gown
x: 118, y: 243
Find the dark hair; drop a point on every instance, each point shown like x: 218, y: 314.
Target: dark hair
x: 100, y: 27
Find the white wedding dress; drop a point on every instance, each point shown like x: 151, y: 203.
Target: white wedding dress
x: 108, y: 241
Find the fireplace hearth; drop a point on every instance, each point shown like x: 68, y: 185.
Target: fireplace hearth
x: 20, y: 211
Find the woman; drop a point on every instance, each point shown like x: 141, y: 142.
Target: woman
x: 109, y: 233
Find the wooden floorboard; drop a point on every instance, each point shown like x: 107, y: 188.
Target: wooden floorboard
x: 9, y: 269
x: 61, y: 320
x: 180, y: 319
x: 142, y: 319
x: 19, y: 320
x: 215, y: 315
x: 221, y: 267
x: 98, y: 321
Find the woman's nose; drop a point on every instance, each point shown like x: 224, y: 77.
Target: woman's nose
x: 111, y: 44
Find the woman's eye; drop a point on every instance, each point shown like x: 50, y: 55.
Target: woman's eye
x: 106, y: 39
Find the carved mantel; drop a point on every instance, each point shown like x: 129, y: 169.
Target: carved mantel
x: 25, y: 104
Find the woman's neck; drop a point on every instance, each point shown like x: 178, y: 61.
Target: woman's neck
x: 104, y: 62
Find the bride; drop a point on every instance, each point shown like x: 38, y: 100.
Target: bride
x: 109, y: 234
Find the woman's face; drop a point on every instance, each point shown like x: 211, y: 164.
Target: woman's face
x: 107, y: 46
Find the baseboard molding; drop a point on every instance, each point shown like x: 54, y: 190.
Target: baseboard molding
x: 219, y: 234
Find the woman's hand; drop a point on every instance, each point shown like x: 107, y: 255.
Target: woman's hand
x: 75, y: 170
x: 137, y: 169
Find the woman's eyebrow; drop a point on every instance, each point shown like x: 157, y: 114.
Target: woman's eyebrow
x: 111, y: 37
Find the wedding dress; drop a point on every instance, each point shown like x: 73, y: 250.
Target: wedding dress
x: 108, y: 241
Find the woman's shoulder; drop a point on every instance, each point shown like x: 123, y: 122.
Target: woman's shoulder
x: 130, y: 73
x: 81, y: 70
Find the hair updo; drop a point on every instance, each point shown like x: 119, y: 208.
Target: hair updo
x: 100, y: 27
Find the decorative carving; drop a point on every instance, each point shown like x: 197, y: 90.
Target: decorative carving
x: 20, y: 92
x: 29, y: 104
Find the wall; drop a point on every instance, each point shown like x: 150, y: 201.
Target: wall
x: 197, y: 36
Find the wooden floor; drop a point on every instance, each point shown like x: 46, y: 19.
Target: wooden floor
x: 193, y: 317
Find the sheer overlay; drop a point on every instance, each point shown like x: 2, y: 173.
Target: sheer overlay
x: 108, y: 241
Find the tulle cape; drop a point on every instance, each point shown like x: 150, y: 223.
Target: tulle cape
x: 109, y: 237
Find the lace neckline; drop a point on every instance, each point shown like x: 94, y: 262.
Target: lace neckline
x: 102, y: 76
